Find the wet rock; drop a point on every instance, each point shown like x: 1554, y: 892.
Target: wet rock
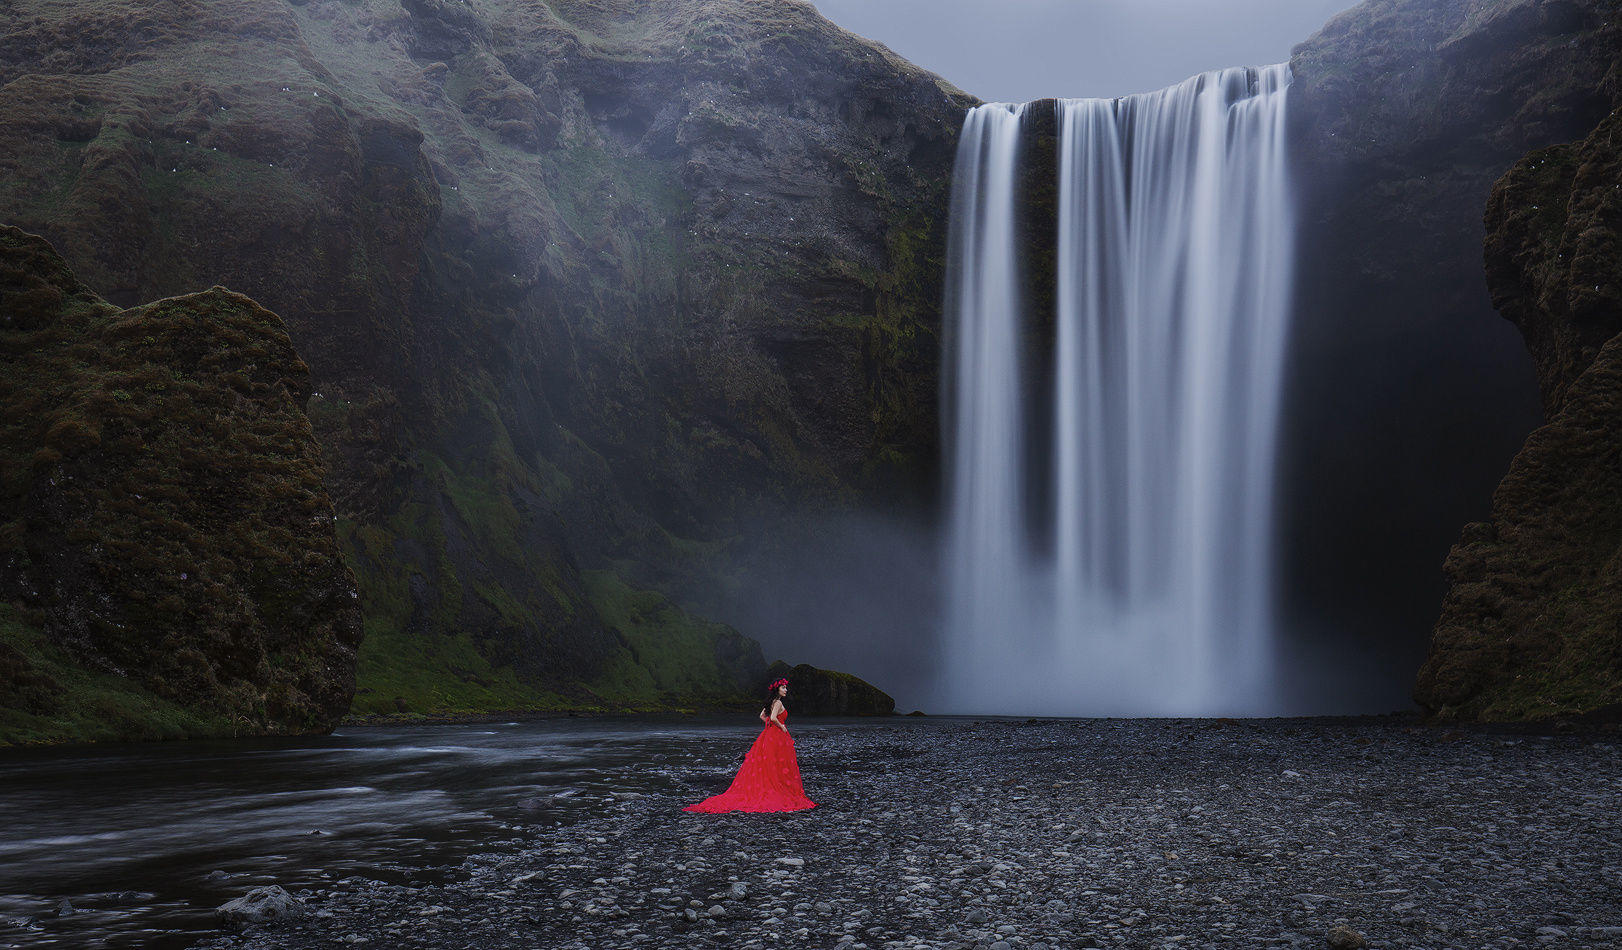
x: 261, y: 905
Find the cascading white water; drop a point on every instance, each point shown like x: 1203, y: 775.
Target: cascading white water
x: 1150, y: 591
x: 986, y: 512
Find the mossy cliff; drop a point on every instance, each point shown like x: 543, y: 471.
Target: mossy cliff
x: 1409, y: 394
x: 168, y: 564
x: 1532, y: 624
x: 590, y: 292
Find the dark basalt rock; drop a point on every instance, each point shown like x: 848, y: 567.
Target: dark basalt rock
x: 1532, y: 624
x: 815, y: 692
x: 168, y: 562
x: 1553, y: 255
x: 1409, y: 394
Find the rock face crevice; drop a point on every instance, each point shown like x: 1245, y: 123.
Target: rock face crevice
x: 1532, y: 623
x: 169, y: 564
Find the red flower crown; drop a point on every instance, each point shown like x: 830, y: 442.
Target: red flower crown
x: 778, y: 683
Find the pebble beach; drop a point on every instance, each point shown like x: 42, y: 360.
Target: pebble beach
x: 1025, y: 835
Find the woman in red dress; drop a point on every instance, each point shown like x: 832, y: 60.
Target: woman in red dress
x: 769, y: 779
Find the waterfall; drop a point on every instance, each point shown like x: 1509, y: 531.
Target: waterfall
x: 1141, y: 581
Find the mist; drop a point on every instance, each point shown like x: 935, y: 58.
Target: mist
x: 856, y: 592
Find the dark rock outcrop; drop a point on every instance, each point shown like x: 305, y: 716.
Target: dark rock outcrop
x: 168, y: 564
x: 1408, y: 394
x: 1532, y: 624
x: 1553, y: 257
x: 815, y: 692
x: 583, y: 286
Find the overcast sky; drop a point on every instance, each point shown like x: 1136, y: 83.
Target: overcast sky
x: 1017, y: 50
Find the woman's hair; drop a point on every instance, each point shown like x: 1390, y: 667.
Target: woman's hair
x: 771, y: 694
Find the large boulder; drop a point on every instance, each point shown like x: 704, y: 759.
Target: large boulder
x: 262, y: 905
x: 816, y: 692
x: 168, y: 559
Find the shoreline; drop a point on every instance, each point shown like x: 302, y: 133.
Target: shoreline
x: 1602, y: 722
x: 1035, y: 835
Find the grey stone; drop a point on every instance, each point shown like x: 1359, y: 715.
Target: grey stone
x: 261, y: 905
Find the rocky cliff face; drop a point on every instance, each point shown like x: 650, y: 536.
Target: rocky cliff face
x: 168, y: 564
x: 1410, y: 394
x: 1552, y: 255
x: 1532, y: 623
x: 589, y: 291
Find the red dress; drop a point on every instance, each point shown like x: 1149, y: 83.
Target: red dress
x: 768, y: 779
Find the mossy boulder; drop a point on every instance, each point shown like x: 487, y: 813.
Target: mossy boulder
x: 816, y: 692
x: 168, y: 561
x: 1531, y: 627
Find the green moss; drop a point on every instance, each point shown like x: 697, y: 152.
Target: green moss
x: 480, y: 502
x: 50, y: 697
x: 439, y: 675
x: 670, y: 657
x: 665, y: 659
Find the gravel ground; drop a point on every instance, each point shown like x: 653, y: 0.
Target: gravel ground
x: 1006, y: 835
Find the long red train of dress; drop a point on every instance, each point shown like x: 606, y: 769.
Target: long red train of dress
x: 768, y: 779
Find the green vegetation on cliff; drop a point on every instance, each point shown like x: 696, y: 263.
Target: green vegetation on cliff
x: 48, y: 695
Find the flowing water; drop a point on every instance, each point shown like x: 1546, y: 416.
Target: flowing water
x: 1137, y: 578
x: 144, y: 841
